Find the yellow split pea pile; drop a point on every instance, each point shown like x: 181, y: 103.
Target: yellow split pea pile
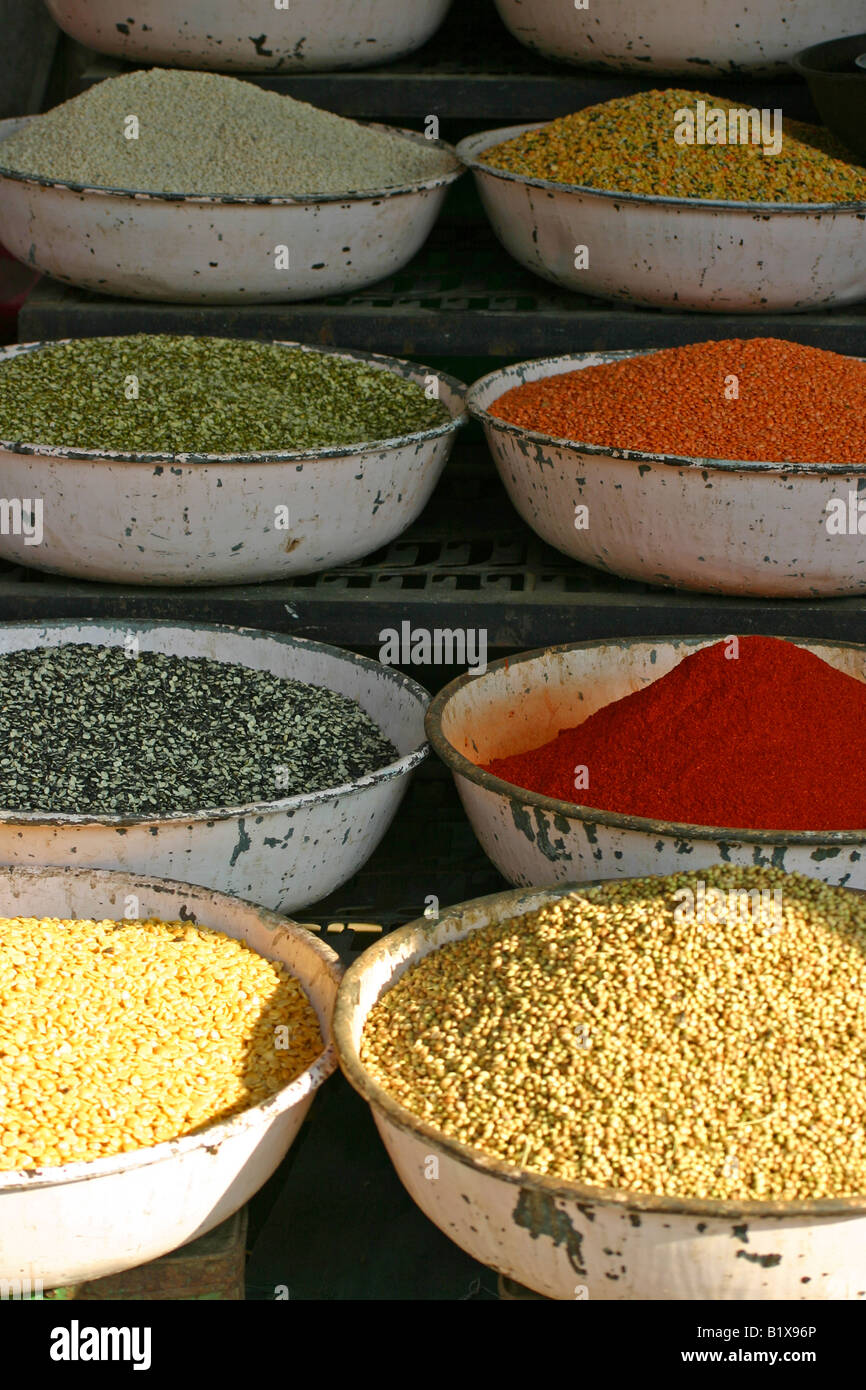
x: 653, y: 1035
x: 118, y: 1035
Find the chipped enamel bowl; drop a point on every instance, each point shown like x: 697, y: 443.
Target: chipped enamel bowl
x: 285, y: 853
x: 248, y: 36
x: 213, y: 519
x: 523, y: 701
x: 199, y: 249
x: 673, y: 253
x: 567, y: 1240
x: 714, y: 525
x: 84, y: 1220
x: 705, y: 38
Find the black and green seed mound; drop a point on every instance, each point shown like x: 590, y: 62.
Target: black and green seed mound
x: 90, y: 730
x: 164, y: 394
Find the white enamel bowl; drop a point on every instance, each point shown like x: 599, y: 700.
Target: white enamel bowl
x: 221, y: 519
x: 84, y: 1220
x: 199, y: 249
x: 567, y: 1240
x: 250, y: 36
x: 714, y: 525
x: 284, y: 853
x: 673, y: 253
x: 523, y: 701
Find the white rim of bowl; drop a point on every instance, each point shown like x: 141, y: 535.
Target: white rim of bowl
x: 17, y: 1180
x: 470, y: 149
x: 407, y: 762
x: 461, y: 766
x: 605, y: 358
x: 397, y: 366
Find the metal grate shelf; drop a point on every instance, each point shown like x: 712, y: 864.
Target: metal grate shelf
x: 469, y: 561
x: 462, y: 295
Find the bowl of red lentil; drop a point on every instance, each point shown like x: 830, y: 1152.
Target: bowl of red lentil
x: 619, y: 758
x: 716, y: 38
x: 724, y: 467
x: 606, y: 202
x: 189, y: 1032
x: 514, y: 1042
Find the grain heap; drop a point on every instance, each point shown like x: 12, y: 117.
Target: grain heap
x: 91, y: 730
x: 792, y: 404
x: 628, y: 145
x: 118, y: 1035
x: 640, y: 1036
x: 201, y: 133
x: 203, y: 395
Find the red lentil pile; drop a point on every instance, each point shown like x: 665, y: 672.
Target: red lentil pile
x: 753, y: 733
x: 754, y: 399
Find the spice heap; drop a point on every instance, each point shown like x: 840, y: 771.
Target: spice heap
x: 753, y: 399
x: 634, y: 1037
x: 752, y: 732
x: 119, y: 1035
x: 628, y: 145
x: 93, y: 731
x: 200, y: 133
x: 203, y: 395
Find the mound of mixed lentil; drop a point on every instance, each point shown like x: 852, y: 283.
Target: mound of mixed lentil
x: 699, y: 1035
x: 91, y: 730
x: 755, y: 399
x: 201, y: 133
x: 119, y: 1035
x: 154, y: 393
x: 628, y: 145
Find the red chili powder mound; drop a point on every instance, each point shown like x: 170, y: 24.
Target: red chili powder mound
x: 758, y: 399
x: 770, y: 739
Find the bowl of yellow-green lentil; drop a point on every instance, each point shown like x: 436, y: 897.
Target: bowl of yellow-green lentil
x: 610, y: 202
x: 597, y: 1090
x: 160, y: 1045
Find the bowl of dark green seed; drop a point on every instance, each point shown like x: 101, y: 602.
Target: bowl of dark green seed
x: 637, y: 199
x: 249, y: 762
x: 194, y: 187
x: 651, y: 1088
x: 154, y: 459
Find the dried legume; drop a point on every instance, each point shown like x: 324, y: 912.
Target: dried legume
x: 200, y: 133
x: 648, y: 1038
x: 90, y: 730
x: 203, y: 395
x: 754, y: 399
x: 116, y: 1036
x: 627, y: 146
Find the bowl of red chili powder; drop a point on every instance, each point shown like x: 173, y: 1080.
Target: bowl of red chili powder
x: 634, y: 756
x: 728, y: 467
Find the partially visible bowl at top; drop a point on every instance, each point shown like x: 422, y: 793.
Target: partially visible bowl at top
x: 210, y: 518
x: 247, y: 36
x: 536, y: 841
x: 838, y: 86
x: 215, y: 249
x: 672, y: 253
x: 754, y: 38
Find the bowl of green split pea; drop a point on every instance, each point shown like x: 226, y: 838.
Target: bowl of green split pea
x: 679, y: 199
x: 160, y: 459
